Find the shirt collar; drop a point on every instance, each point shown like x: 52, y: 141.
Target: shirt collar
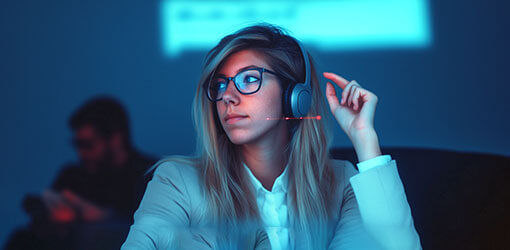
x: 280, y: 184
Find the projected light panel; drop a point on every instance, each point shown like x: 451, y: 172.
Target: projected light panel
x: 326, y: 25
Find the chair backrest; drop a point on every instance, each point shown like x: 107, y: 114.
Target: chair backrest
x: 457, y: 199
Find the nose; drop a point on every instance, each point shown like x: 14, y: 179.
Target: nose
x: 231, y: 94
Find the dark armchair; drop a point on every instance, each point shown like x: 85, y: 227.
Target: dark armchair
x: 458, y: 199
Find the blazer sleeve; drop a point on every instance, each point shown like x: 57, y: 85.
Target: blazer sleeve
x: 383, y: 206
x: 350, y: 232
x: 162, y: 219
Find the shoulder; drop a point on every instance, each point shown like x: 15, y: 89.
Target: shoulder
x: 70, y: 174
x: 180, y: 172
x: 175, y: 168
x: 181, y: 177
x: 69, y: 170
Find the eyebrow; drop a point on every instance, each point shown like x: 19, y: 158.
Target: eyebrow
x: 241, y: 69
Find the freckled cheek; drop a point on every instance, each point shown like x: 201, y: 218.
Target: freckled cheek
x: 270, y: 108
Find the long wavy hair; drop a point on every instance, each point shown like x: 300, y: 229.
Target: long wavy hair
x: 311, y: 183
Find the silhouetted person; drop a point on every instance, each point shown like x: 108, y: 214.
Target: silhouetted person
x: 109, y: 166
x: 104, y: 187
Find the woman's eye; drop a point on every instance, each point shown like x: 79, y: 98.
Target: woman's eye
x: 250, y: 79
x: 219, y: 83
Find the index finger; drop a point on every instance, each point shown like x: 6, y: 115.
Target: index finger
x: 340, y: 81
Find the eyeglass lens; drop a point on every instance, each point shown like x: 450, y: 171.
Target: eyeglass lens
x: 247, y: 82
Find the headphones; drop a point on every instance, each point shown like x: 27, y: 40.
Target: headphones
x: 298, y: 96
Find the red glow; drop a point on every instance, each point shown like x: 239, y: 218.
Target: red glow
x: 63, y: 214
x: 296, y: 118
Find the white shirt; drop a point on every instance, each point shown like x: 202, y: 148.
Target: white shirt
x: 273, y: 204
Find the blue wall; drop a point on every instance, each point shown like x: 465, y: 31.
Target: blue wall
x: 54, y: 55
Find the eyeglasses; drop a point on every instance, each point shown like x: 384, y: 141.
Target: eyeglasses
x: 247, y: 81
x: 86, y: 144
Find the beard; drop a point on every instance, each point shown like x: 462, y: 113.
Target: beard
x: 104, y: 163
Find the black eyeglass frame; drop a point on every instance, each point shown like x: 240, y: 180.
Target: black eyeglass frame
x: 261, y: 70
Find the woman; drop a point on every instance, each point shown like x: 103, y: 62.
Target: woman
x: 262, y: 178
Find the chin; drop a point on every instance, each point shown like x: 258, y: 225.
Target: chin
x: 239, y: 138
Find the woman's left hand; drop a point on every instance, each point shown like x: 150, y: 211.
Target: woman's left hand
x: 355, y: 113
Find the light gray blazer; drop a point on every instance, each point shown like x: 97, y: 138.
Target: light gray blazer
x: 373, y: 213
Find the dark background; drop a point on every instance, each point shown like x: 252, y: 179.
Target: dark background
x: 56, y: 54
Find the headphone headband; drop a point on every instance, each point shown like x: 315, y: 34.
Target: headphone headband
x: 307, y: 62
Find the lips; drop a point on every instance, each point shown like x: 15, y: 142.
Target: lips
x: 233, y: 117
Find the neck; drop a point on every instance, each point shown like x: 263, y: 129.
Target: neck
x: 265, y: 157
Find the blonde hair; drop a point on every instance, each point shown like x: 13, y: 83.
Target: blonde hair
x: 311, y: 179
